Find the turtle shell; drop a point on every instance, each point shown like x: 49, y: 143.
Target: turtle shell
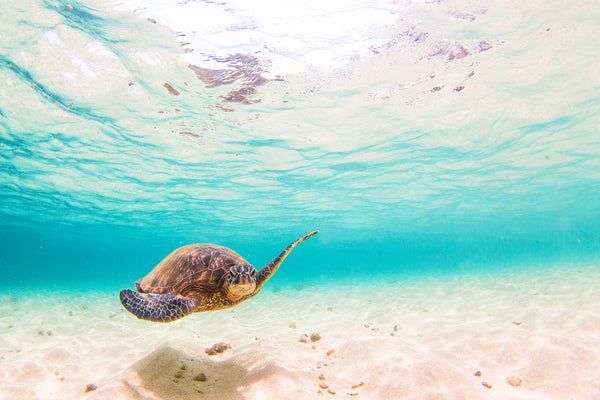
x: 200, y: 263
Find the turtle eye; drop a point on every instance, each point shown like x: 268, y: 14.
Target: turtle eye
x: 231, y: 274
x: 253, y: 273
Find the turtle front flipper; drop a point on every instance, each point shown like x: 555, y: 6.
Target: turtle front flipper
x: 269, y: 269
x: 157, y: 307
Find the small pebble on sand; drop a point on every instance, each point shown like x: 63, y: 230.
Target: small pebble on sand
x: 90, y: 387
x: 330, y: 391
x: 315, y: 337
x: 330, y: 353
x: 178, y: 375
x: 360, y: 384
x: 321, y: 377
x: 201, y: 377
x: 514, y: 381
x: 323, y: 385
x: 217, y: 349
x: 486, y: 385
x: 303, y: 338
x: 477, y: 373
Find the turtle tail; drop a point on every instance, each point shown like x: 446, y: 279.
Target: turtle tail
x: 269, y: 269
x: 157, y: 307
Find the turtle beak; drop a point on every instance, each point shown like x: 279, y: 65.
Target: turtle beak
x: 242, y: 284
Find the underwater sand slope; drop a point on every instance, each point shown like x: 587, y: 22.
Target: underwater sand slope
x: 531, y: 335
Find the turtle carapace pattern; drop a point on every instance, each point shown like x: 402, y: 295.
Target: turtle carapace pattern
x: 198, y: 277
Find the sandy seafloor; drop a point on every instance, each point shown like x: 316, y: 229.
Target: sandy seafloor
x: 418, y: 339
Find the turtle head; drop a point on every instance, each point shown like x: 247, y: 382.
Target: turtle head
x: 241, y: 280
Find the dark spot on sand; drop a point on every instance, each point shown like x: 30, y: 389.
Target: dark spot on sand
x: 486, y: 385
x: 303, y: 338
x: 323, y: 385
x: 315, y: 337
x: 217, y: 349
x: 514, y: 381
x: 458, y: 88
x: 477, y: 373
x: 178, y: 375
x: 330, y: 391
x: 292, y: 325
x: 517, y: 323
x: 201, y: 377
x: 330, y: 353
x: 90, y: 387
x: 360, y: 384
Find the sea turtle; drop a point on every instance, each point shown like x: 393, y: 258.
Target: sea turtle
x: 198, y: 277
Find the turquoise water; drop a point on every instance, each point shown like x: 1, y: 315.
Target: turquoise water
x: 436, y: 139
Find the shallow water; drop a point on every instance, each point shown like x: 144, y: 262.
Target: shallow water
x: 448, y: 136
x: 427, y: 141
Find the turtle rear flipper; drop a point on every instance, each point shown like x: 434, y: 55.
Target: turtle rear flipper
x: 157, y: 307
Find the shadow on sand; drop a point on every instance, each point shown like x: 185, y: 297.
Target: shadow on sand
x: 174, y: 375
